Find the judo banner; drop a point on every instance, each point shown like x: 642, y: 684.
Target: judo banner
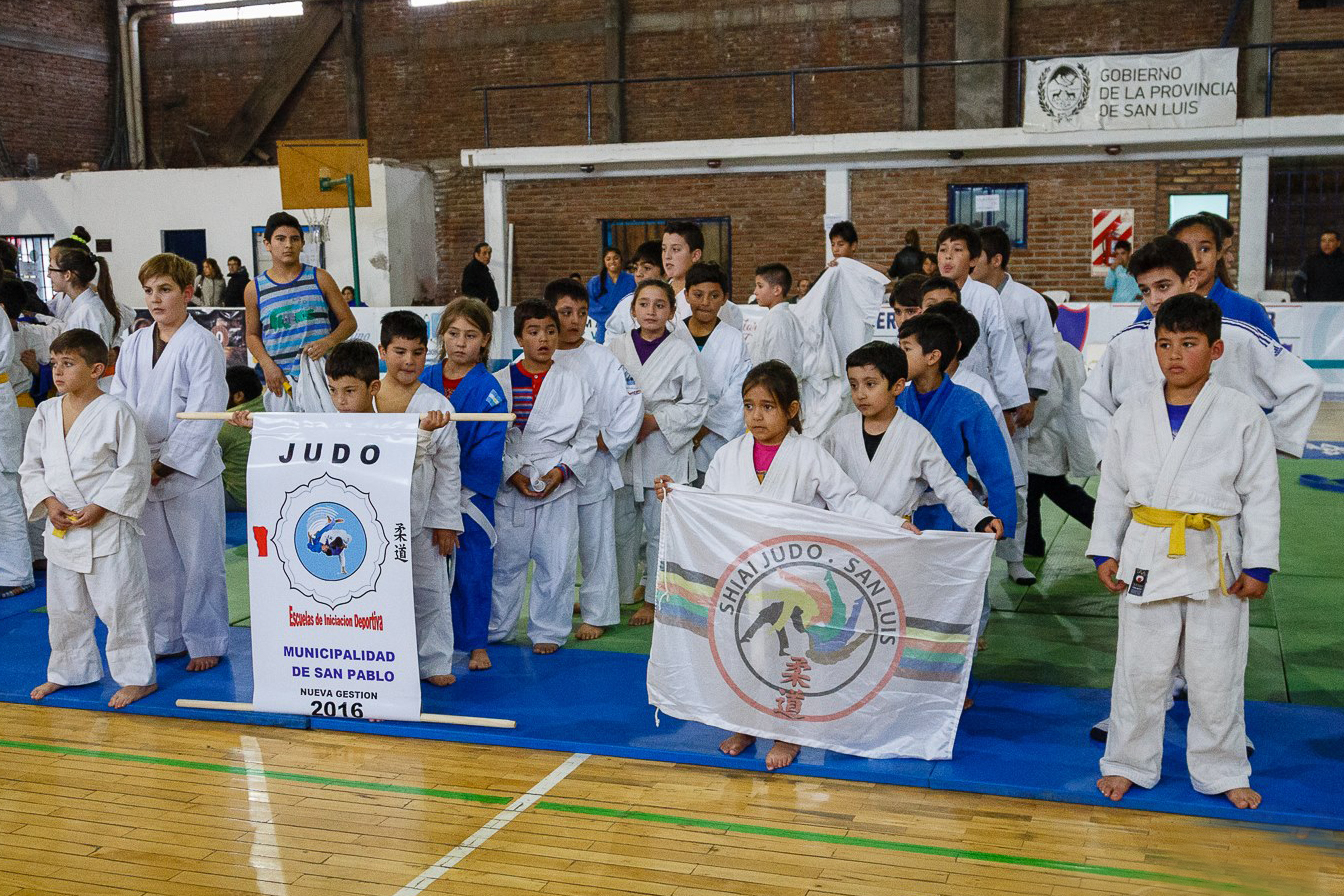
x: 1194, y: 89
x: 789, y: 622
x: 329, y: 563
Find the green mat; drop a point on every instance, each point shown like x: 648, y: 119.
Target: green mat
x: 1062, y: 629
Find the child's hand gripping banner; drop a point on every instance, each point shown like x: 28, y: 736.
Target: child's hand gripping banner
x: 333, y: 617
x: 799, y: 624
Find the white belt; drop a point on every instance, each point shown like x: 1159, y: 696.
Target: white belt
x: 477, y: 516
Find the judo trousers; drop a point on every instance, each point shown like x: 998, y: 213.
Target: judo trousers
x: 433, y: 611
x: 474, y: 566
x: 184, y: 554
x: 599, y: 603
x: 16, y: 558
x: 1012, y: 547
x: 115, y: 592
x: 1208, y: 638
x: 548, y: 536
x: 636, y: 521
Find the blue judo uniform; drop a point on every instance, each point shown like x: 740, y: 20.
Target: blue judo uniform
x: 1235, y: 307
x: 963, y: 426
x: 481, y: 459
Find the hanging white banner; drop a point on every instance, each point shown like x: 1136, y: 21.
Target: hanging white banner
x: 1173, y: 90
x: 329, y: 564
x: 790, y: 622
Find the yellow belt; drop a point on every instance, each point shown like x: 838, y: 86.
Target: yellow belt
x: 4, y: 377
x: 25, y: 400
x: 1178, y: 522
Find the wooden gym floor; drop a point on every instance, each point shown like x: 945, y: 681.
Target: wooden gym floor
x: 100, y: 804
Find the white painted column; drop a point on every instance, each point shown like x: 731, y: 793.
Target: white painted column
x: 501, y: 265
x: 837, y: 204
x: 1253, y: 241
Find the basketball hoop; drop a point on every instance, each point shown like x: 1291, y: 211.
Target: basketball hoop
x: 317, y: 219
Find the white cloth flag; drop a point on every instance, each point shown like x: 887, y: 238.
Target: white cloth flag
x: 333, y: 616
x: 838, y: 314
x: 852, y: 637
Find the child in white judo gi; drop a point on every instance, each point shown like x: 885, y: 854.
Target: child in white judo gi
x: 1186, y: 531
x: 892, y: 459
x: 618, y: 411
x: 676, y: 403
x: 778, y: 336
x: 684, y: 246
x: 16, y: 559
x: 907, y: 299
x: 722, y: 352
x: 86, y: 472
x: 436, y: 521
x: 174, y: 366
x: 773, y: 459
x: 436, y: 487
x: 548, y: 455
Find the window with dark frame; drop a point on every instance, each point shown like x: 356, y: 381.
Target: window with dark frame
x: 626, y: 235
x: 982, y: 205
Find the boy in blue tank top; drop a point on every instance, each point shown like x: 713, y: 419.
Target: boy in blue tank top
x: 292, y: 308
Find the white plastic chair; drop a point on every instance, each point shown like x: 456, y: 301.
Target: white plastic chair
x: 1058, y: 296
x: 1273, y: 297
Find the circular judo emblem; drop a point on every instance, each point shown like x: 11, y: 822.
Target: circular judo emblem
x: 806, y: 628
x: 330, y: 541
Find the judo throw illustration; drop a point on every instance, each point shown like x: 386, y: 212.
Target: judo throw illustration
x: 330, y: 541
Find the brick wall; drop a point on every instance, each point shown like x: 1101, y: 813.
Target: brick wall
x: 53, y: 104
x: 775, y: 217
x: 1308, y: 82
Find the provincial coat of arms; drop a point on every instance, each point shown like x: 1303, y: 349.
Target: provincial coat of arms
x: 1063, y: 90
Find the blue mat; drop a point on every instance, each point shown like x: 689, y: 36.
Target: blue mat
x: 235, y: 529
x: 1019, y: 740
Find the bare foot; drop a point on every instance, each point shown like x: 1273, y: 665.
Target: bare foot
x: 588, y: 632
x: 576, y: 608
x: 1243, y: 798
x: 637, y: 595
x: 202, y: 663
x: 441, y: 681
x: 780, y: 755
x: 734, y: 744
x: 643, y: 616
x: 545, y: 649
x: 981, y: 644
x: 967, y: 704
x: 479, y: 660
x: 44, y: 689
x: 1113, y: 787
x: 131, y: 693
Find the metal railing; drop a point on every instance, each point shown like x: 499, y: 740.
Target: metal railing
x: 1273, y: 50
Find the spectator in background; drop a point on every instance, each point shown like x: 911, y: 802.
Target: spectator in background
x: 1322, y: 276
x: 930, y: 265
x: 1123, y: 287
x: 804, y: 284
x: 476, y: 279
x: 910, y: 260
x: 350, y: 298
x: 237, y: 283
x: 210, y: 285
x: 607, y: 288
x: 234, y: 441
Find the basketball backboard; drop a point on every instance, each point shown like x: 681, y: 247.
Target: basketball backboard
x: 303, y: 164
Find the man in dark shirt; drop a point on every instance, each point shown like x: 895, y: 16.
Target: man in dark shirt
x: 1322, y: 276
x: 237, y: 283
x: 476, y: 279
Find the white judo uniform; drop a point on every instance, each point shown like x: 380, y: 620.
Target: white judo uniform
x: 183, y: 521
x: 1220, y: 463
x: 87, y: 312
x: 622, y: 320
x: 674, y: 393
x: 723, y: 366
x: 544, y: 531
x: 16, y: 559
x: 994, y: 355
x: 978, y: 385
x: 908, y: 464
x: 1252, y: 363
x: 100, y: 571
x: 1028, y: 319
x: 436, y: 503
x: 802, y: 472
x: 1057, y: 438
x: 778, y: 336
x: 618, y: 410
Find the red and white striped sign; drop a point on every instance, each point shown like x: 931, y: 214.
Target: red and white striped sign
x: 1109, y: 225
